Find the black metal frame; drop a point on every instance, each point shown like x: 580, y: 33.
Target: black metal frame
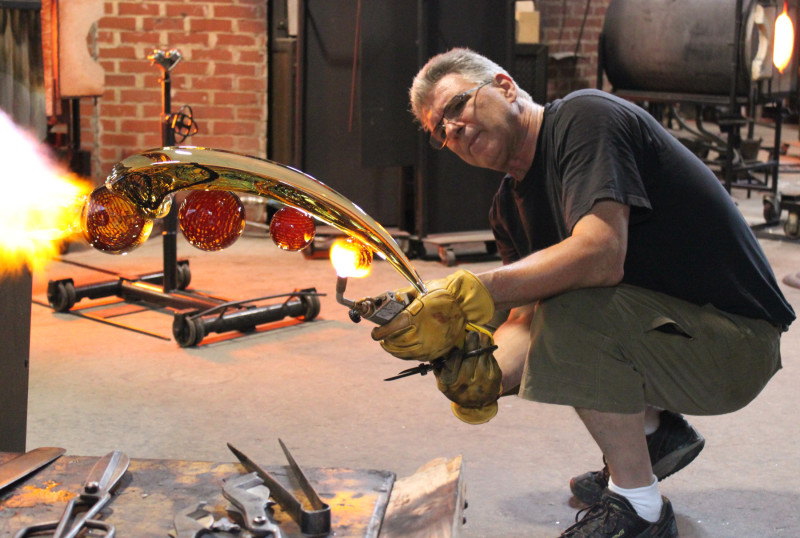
x: 196, y: 314
x: 733, y: 172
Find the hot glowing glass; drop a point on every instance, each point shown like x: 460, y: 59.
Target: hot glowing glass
x: 211, y: 220
x: 351, y: 258
x: 112, y: 223
x: 784, y: 40
x: 292, y: 229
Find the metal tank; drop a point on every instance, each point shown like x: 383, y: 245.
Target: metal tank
x: 686, y: 46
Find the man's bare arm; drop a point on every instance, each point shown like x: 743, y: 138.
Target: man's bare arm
x: 593, y: 256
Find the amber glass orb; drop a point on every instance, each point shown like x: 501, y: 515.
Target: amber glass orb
x: 211, y: 220
x: 111, y: 223
x: 292, y: 229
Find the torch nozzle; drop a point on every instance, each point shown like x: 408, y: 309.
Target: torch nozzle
x: 381, y: 309
x: 341, y: 286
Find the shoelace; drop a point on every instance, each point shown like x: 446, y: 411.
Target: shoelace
x: 591, y: 512
x: 599, y: 509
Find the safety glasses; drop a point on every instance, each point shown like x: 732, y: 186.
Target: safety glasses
x: 452, y: 112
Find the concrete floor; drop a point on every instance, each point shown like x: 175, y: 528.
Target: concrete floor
x: 318, y: 386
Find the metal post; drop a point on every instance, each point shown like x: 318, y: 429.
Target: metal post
x: 601, y: 60
x: 733, y: 127
x: 170, y: 231
x: 423, y: 162
x: 15, y: 317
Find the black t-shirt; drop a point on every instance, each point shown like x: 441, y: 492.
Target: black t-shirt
x: 686, y: 237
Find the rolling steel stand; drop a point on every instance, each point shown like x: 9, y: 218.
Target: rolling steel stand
x: 196, y: 315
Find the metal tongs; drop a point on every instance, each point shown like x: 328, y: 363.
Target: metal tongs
x: 314, y: 522
x: 102, y: 479
x: 426, y: 367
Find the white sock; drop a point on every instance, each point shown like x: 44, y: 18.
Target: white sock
x: 650, y: 426
x: 646, y: 501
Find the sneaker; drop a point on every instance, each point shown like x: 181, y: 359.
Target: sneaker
x: 614, y: 516
x: 672, y: 447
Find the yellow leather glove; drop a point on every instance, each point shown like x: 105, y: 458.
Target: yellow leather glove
x: 473, y: 383
x: 432, y: 324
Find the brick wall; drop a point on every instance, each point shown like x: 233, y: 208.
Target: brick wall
x: 561, y: 30
x: 223, y: 76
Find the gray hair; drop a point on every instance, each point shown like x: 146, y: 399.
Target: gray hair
x: 460, y: 61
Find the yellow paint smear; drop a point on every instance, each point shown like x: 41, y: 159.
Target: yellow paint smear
x: 33, y: 495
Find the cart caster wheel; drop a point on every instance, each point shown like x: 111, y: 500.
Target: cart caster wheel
x: 792, y: 225
x: 187, y: 331
x: 419, y: 251
x: 312, y: 304
x: 184, y: 275
x: 308, y: 252
x: 772, y: 208
x: 61, y: 295
x: 448, y: 256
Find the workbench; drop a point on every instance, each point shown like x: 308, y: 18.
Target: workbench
x: 364, y: 503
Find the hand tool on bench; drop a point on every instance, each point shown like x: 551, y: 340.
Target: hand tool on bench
x: 197, y: 522
x: 314, y: 522
x: 27, y: 463
x: 250, y: 497
x: 102, y: 479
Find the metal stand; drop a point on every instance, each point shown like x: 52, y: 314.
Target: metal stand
x: 737, y: 164
x: 197, y: 314
x: 166, y: 61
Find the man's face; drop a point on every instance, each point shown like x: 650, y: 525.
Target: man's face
x: 480, y: 132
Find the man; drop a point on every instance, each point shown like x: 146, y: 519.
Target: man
x: 636, y: 290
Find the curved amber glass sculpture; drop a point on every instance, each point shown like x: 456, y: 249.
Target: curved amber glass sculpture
x: 112, y: 223
x: 149, y: 178
x: 211, y: 220
x: 292, y: 229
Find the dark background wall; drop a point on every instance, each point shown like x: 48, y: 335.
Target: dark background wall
x: 357, y: 133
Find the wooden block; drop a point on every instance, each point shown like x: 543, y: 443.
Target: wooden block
x: 78, y: 74
x: 527, y: 27
x: 427, y: 504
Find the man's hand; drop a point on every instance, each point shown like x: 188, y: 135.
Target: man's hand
x: 471, y: 379
x: 432, y: 324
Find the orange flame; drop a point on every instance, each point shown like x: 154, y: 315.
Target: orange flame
x: 784, y: 40
x: 39, y: 205
x: 351, y: 258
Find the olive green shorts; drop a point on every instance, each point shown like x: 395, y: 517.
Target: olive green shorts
x: 622, y: 348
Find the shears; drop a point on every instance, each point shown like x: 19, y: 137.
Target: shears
x: 80, y: 512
